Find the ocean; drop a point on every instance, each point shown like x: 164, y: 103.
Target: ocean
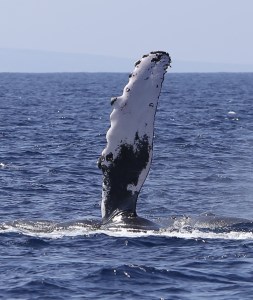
x: 52, y: 131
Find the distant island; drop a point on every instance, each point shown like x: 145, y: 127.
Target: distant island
x: 36, y: 61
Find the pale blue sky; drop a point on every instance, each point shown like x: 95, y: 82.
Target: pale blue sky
x: 219, y: 31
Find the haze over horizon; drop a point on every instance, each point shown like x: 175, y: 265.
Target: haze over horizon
x: 82, y: 35
x: 36, y: 61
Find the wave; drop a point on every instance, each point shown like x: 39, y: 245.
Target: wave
x: 52, y: 230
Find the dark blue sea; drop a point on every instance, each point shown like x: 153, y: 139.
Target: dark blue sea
x: 52, y: 131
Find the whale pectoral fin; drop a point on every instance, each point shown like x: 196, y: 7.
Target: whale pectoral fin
x: 125, y: 162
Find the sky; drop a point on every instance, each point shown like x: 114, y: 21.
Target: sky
x: 210, y: 31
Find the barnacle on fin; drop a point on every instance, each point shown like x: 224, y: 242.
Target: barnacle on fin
x: 137, y: 63
x: 113, y: 99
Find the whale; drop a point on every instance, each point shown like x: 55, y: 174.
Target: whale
x: 126, y: 160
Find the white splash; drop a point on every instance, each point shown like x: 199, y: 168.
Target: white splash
x: 77, y: 230
x: 2, y: 165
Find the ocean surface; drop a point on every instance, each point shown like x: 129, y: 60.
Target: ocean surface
x: 52, y: 131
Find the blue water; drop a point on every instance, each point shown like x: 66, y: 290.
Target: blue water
x: 52, y: 131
